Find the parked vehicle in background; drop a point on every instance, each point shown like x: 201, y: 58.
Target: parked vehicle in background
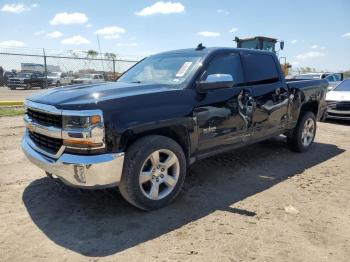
x: 59, y: 78
x: 333, y: 78
x: 27, y: 80
x: 89, y: 79
x: 338, y: 101
x: 168, y: 111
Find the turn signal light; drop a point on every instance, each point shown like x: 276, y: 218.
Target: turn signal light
x: 81, y: 143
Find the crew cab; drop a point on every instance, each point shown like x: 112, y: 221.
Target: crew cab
x: 27, y: 80
x: 168, y: 111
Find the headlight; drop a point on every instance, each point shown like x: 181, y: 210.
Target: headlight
x: 80, y: 122
x: 84, y: 132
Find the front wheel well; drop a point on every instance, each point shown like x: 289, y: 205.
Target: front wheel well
x: 177, y: 133
x: 311, y: 106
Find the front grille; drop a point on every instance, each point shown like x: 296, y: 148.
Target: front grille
x: 331, y: 104
x: 343, y: 106
x: 45, y: 118
x: 49, y: 144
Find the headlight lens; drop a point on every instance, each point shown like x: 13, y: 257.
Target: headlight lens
x: 80, y: 122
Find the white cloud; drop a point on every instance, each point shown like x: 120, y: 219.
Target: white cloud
x: 309, y: 55
x: 222, y: 11
x: 35, y: 5
x: 12, y: 43
x: 294, y: 41
x: 314, y: 47
x: 208, y: 34
x: 41, y: 32
x: 14, y: 8
x: 162, y: 8
x: 110, y: 32
x: 54, y: 34
x: 89, y: 25
x: 69, y: 18
x: 75, y: 40
x: 347, y: 35
x: 295, y: 63
x: 234, y: 29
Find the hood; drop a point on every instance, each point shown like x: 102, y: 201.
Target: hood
x: 338, y: 96
x: 94, y: 93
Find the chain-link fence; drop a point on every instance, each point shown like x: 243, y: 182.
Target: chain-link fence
x: 53, y: 67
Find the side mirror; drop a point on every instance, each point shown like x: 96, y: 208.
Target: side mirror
x: 281, y: 45
x: 216, y: 81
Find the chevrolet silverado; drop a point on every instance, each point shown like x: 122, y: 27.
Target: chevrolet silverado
x: 169, y: 110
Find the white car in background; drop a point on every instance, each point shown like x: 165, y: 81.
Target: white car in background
x: 333, y: 78
x: 338, y: 101
x: 89, y: 79
x: 59, y: 78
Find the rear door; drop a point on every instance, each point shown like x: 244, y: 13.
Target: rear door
x: 267, y: 92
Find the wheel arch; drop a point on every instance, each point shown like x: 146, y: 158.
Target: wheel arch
x: 178, y: 133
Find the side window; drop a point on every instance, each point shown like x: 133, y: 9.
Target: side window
x: 260, y: 69
x: 95, y: 76
x: 330, y: 78
x: 227, y: 64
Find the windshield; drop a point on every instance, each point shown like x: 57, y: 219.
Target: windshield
x: 343, y: 86
x: 169, y: 69
x: 23, y: 75
x: 308, y: 76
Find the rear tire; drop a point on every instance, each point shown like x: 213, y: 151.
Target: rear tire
x: 302, y: 136
x: 154, y: 172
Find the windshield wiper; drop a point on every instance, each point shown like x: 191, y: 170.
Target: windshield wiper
x: 135, y: 82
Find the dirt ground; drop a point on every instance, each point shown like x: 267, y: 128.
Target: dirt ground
x: 259, y: 203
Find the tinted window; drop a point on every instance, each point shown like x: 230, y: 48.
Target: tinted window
x: 260, y: 69
x: 227, y: 64
x: 344, y: 86
x: 330, y: 78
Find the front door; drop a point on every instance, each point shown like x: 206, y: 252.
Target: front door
x: 220, y: 116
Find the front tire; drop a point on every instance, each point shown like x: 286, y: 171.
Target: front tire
x: 154, y: 172
x: 303, y: 135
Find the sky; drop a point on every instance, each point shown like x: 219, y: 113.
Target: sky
x: 316, y: 33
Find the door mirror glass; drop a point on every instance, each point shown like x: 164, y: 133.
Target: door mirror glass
x: 216, y: 81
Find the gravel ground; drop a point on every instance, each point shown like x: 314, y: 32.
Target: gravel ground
x: 259, y: 203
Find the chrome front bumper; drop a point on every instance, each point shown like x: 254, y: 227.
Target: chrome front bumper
x: 96, y: 171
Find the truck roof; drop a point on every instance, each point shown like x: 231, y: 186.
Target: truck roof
x: 209, y: 50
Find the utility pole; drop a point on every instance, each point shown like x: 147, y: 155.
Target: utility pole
x: 99, y: 48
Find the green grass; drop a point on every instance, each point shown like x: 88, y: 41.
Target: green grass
x: 11, y: 111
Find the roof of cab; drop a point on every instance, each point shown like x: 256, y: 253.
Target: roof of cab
x: 209, y: 50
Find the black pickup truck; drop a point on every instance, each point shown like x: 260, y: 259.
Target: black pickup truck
x: 27, y: 80
x: 171, y: 109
